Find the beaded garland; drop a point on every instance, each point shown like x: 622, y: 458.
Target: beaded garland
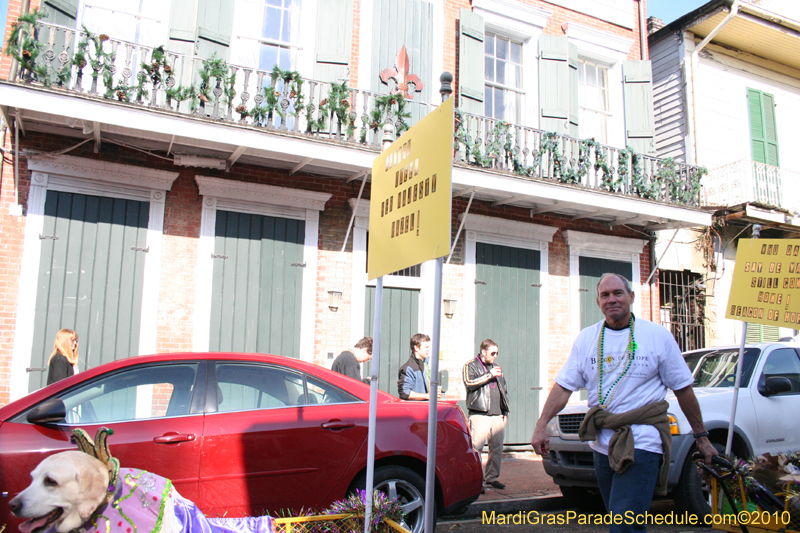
x: 630, y: 350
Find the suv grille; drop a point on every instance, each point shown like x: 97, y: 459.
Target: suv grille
x: 570, y: 423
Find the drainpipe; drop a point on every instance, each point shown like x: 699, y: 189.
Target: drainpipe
x: 696, y: 65
x: 13, y: 71
x: 642, y: 31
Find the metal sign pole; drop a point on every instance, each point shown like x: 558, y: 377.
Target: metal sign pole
x: 373, y: 401
x: 739, y: 364
x: 430, y: 470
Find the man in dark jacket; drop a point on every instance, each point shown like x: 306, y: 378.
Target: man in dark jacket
x: 487, y: 403
x: 349, y: 361
x: 413, y: 378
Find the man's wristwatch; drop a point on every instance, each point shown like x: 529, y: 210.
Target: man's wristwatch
x: 701, y: 434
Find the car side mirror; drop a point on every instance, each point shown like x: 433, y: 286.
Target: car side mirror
x: 444, y: 380
x: 48, y: 412
x: 775, y: 385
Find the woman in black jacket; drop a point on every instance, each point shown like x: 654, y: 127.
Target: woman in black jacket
x: 63, y: 361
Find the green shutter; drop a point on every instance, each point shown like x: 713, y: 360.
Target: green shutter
x: 763, y: 129
x: 91, y: 273
x: 590, y: 269
x: 507, y: 296
x: 214, y: 28
x: 761, y: 333
x: 63, y: 12
x: 257, y: 284
x: 183, y: 27
x: 554, y: 83
x: 471, y: 74
x: 399, y: 321
x: 408, y: 23
x: 638, y: 91
x: 573, y: 91
x: 333, y: 42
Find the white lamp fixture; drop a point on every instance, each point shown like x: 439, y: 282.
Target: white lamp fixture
x: 200, y: 161
x: 449, y: 307
x: 334, y: 297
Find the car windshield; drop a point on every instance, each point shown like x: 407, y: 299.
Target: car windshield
x: 718, y: 368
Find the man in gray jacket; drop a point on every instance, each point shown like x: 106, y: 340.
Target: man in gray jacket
x: 487, y: 403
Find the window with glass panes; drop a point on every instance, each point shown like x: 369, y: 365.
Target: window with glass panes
x: 503, y: 87
x: 593, y: 101
x: 279, y: 30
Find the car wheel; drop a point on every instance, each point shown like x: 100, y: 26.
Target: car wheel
x: 692, y: 494
x: 584, y: 498
x: 407, y: 487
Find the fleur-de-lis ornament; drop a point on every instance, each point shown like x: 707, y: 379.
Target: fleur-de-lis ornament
x: 401, y: 76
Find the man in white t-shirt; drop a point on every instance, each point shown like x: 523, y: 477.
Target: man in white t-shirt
x: 640, y: 361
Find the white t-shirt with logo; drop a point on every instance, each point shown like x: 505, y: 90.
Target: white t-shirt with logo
x: 657, y: 365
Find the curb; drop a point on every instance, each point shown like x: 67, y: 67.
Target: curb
x: 511, y: 505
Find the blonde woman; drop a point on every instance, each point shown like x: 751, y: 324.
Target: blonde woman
x: 63, y: 361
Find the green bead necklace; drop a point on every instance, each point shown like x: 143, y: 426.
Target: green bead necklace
x: 630, y: 350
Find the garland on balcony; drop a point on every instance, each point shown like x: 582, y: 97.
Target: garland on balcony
x: 501, y: 147
x: 387, y: 108
x: 337, y: 105
x: 24, y: 46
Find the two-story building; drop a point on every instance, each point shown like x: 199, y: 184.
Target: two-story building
x: 727, y: 94
x: 195, y: 175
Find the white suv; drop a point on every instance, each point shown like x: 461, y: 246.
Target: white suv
x: 769, y: 400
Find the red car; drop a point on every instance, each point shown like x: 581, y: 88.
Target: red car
x: 243, y: 434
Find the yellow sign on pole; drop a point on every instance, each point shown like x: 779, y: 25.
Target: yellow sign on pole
x: 411, y: 201
x: 766, y: 283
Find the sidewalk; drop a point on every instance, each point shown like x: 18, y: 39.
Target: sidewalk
x: 528, y: 487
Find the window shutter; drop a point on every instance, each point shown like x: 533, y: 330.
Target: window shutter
x: 401, y: 23
x: 758, y: 144
x: 638, y: 91
x: 183, y: 26
x: 63, y: 12
x: 471, y: 74
x: 334, y: 37
x: 770, y: 129
x: 573, y: 91
x: 554, y: 83
x: 761, y: 333
x: 214, y: 27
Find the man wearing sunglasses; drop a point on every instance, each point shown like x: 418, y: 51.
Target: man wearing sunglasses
x: 487, y: 403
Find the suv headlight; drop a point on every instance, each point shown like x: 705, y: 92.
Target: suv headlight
x: 552, y: 427
x: 673, y: 425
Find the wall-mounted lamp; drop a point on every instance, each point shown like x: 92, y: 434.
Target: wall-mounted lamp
x: 449, y: 307
x: 334, y: 297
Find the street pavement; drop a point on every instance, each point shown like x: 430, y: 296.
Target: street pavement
x: 528, y: 487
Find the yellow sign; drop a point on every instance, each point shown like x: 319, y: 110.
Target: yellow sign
x: 411, y: 200
x: 766, y: 283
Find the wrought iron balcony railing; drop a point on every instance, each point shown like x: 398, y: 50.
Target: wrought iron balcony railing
x: 98, y: 66
x: 529, y: 152
x: 748, y: 181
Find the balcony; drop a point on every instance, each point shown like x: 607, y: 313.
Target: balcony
x: 745, y: 181
x: 79, y: 84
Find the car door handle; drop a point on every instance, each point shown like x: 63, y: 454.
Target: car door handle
x: 173, y: 438
x: 338, y: 424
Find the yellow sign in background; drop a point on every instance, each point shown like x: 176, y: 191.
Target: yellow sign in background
x: 411, y: 200
x: 766, y: 283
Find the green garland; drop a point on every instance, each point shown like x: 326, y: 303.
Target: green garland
x: 501, y: 146
x: 24, y: 46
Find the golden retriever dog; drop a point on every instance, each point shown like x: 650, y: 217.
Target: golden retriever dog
x: 66, y: 488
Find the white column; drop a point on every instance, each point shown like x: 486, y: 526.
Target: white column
x: 26, y: 299
x: 204, y: 276
x: 152, y: 274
